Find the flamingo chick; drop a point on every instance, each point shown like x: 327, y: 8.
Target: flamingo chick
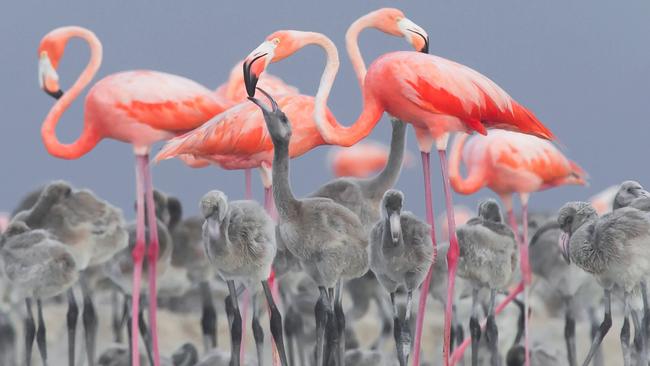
x: 327, y: 238
x: 401, y: 251
x: 488, y: 258
x: 41, y: 267
x: 239, y: 240
x: 613, y: 248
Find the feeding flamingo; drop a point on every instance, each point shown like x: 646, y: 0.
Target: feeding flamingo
x: 435, y: 95
x: 509, y: 162
x: 238, y: 139
x: 137, y: 107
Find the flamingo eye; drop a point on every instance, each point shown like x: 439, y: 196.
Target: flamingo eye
x: 276, y: 41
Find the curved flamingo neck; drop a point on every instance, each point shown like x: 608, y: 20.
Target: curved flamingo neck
x: 476, y: 173
x: 89, y: 137
x: 352, y: 46
x: 332, y: 132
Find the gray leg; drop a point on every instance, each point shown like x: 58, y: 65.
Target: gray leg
x: 639, y: 342
x: 89, y: 317
x: 290, y: 331
x: 570, y: 334
x: 208, y: 317
x: 7, y: 340
x: 40, y: 333
x: 127, y: 320
x: 595, y: 325
x: 117, y: 318
x: 625, y: 331
x: 492, y: 332
x: 71, y: 317
x: 321, y: 313
x: 397, y: 330
x: 276, y: 324
x: 475, y: 327
x: 30, y: 331
x: 603, y: 329
x: 236, y: 326
x: 331, y: 332
x: 406, y: 333
x: 386, y: 323
x: 258, y: 333
x: 144, y: 331
x: 339, y: 316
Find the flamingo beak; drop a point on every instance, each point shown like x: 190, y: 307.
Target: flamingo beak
x: 274, y: 104
x: 414, y: 34
x: 395, y: 226
x: 48, y: 78
x: 255, y: 64
x: 564, y: 246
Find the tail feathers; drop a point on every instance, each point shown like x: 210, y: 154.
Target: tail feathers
x: 172, y: 149
x: 580, y: 174
x: 526, y: 122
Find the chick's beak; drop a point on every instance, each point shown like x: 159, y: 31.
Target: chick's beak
x: 564, y: 246
x: 395, y: 227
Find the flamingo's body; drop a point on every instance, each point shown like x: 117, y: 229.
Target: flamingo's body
x: 507, y: 163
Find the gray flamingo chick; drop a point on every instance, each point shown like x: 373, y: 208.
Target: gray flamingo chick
x: 614, y: 249
x: 94, y: 232
x: 327, y: 238
x: 488, y: 258
x: 39, y: 266
x: 631, y: 194
x: 239, y: 240
x: 400, y: 255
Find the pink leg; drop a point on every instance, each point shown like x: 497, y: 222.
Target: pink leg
x: 458, y: 352
x: 525, y: 273
x: 249, y: 184
x: 424, y: 291
x: 452, y: 253
x: 152, y: 255
x: 138, y: 256
x: 269, y: 203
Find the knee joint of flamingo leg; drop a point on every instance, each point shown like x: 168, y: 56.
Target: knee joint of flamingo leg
x: 452, y: 256
x: 208, y: 319
x: 475, y: 329
x: 138, y: 252
x: 258, y: 333
x: 236, y: 328
x: 154, y: 249
x: 570, y: 328
x: 73, y: 314
x: 625, y: 332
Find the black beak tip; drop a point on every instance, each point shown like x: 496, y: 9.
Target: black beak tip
x: 425, y: 49
x: 56, y: 94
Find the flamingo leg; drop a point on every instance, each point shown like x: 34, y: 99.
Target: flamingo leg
x: 603, y: 329
x: 89, y: 318
x: 322, y: 312
x: 258, y: 332
x: 232, y: 306
x: 275, y: 324
x: 138, y: 257
x: 244, y: 320
x: 422, y: 303
x: 71, y: 318
x: 30, y: 331
x: 570, y: 335
x: 117, y: 321
x: 248, y: 194
x: 625, y: 331
x: 474, y: 327
x: 208, y: 317
x: 152, y: 257
x: 492, y: 332
x: 40, y: 333
x: 526, y: 273
x: 452, y: 254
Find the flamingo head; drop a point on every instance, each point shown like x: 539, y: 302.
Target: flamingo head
x: 393, y: 21
x: 50, y: 52
x: 214, y: 207
x: 276, y: 47
x: 392, y: 202
x: 489, y: 210
x: 629, y: 191
x: 571, y: 217
x: 276, y: 121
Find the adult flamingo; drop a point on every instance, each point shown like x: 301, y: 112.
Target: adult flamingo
x: 238, y: 138
x: 361, y: 160
x: 435, y: 95
x: 136, y: 107
x: 507, y: 163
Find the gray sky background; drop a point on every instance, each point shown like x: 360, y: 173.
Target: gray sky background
x: 582, y: 66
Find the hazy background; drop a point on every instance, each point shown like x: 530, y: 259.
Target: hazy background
x: 583, y: 67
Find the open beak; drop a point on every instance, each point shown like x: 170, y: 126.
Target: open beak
x: 395, y: 227
x: 255, y: 64
x: 564, y: 246
x: 274, y: 105
x: 417, y: 37
x: 48, y: 78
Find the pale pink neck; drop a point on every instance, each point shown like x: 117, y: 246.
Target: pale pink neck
x: 332, y: 132
x: 89, y: 137
x: 352, y: 45
x: 476, y: 173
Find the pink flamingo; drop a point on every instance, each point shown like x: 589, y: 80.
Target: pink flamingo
x: 361, y: 160
x: 435, y: 95
x: 136, y: 107
x: 602, y: 201
x: 238, y: 138
x: 509, y: 162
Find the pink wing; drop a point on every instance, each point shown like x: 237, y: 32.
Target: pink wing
x: 163, y: 101
x: 448, y: 88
